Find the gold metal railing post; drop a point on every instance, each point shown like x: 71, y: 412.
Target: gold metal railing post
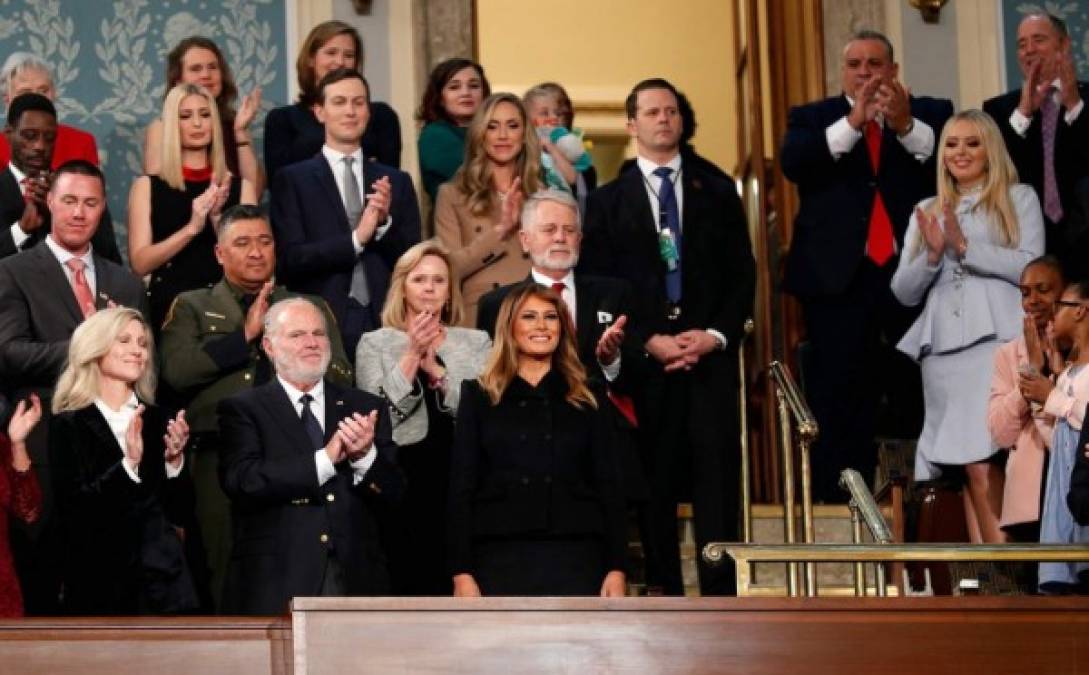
x: 856, y: 536
x: 746, y: 461
x: 792, y: 405
x: 788, y: 489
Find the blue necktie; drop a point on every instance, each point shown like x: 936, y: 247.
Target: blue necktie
x: 310, y: 423
x: 669, y: 219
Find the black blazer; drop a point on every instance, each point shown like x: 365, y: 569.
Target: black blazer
x: 11, y: 210
x: 1077, y: 500
x: 832, y: 224
x: 123, y: 553
x: 1071, y: 168
x: 314, y: 246
x: 293, y: 134
x: 532, y: 466
x: 718, y: 270
x: 285, y: 524
x: 38, y: 313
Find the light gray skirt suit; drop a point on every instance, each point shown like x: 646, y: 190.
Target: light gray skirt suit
x: 971, y: 307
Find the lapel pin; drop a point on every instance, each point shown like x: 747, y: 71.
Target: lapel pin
x: 340, y: 402
x: 697, y: 184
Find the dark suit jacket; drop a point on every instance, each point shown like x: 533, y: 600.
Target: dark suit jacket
x: 718, y: 270
x: 532, y: 466
x: 293, y: 134
x: 38, y: 312
x: 1071, y: 168
x: 1077, y: 500
x: 314, y: 242
x: 123, y: 554
x: 11, y: 210
x: 837, y: 196
x: 280, y: 513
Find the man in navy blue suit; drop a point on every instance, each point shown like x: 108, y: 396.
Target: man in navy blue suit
x: 333, y: 239
x: 861, y: 161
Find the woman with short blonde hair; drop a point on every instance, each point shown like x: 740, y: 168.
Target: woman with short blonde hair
x: 417, y: 362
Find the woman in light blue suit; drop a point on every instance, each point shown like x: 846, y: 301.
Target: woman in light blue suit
x: 417, y: 362
x: 964, y: 253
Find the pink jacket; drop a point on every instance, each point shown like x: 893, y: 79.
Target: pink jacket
x: 1012, y: 425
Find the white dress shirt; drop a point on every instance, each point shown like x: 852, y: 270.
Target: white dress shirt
x: 324, y: 465
x: 336, y: 163
x: 653, y: 185
x: 63, y: 256
x: 17, y: 234
x: 841, y: 136
x: 119, y: 422
x: 1021, y: 124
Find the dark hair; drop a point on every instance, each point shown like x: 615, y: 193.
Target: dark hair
x: 228, y: 90
x: 688, y: 119
x: 1080, y: 287
x: 309, y: 87
x: 1048, y: 261
x: 652, y: 83
x: 338, y: 75
x: 867, y: 34
x: 79, y: 167
x: 29, y: 103
x: 239, y: 212
x: 431, y: 109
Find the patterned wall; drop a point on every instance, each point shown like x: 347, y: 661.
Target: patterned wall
x: 108, y: 63
x: 1074, y: 12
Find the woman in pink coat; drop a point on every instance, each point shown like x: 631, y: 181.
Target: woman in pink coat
x: 1014, y: 423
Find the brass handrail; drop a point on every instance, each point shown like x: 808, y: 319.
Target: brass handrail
x: 865, y: 509
x: 791, y: 401
x: 743, y: 411
x: 746, y: 554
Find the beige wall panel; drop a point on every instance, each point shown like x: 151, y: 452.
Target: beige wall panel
x: 599, y: 49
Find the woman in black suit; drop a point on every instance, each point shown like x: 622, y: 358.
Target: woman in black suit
x: 121, y: 490
x: 293, y: 133
x: 534, y: 504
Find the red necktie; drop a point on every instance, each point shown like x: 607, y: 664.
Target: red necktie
x: 879, y: 241
x: 81, y: 288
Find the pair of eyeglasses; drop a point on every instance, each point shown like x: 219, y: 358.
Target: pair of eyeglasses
x: 1069, y: 303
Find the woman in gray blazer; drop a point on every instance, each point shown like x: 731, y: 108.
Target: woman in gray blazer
x: 963, y: 255
x: 417, y: 362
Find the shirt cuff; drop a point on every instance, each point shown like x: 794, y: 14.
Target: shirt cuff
x: 841, y: 137
x: 361, y: 466
x: 919, y: 141
x: 381, y: 230
x: 1071, y: 115
x: 17, y: 235
x: 130, y: 469
x: 1019, y: 122
x: 172, y: 472
x: 325, y: 467
x: 612, y: 371
x: 722, y: 341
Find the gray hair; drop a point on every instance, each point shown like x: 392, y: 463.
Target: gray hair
x: 273, y: 315
x: 19, y: 62
x: 529, y: 210
x: 867, y: 34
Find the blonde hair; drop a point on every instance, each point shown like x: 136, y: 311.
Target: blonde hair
x: 395, y: 313
x: 474, y: 178
x: 502, y: 363
x: 171, y: 158
x: 999, y: 175
x: 78, y: 386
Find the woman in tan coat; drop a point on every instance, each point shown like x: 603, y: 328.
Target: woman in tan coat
x: 477, y: 213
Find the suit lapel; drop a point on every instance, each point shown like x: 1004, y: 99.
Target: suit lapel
x: 92, y: 419
x: 635, y: 195
x: 586, y: 315
x: 55, y: 281
x: 323, y: 174
x: 282, y: 411
x: 11, y: 197
x: 335, y: 408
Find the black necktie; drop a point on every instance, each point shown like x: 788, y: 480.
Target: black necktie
x: 310, y: 423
